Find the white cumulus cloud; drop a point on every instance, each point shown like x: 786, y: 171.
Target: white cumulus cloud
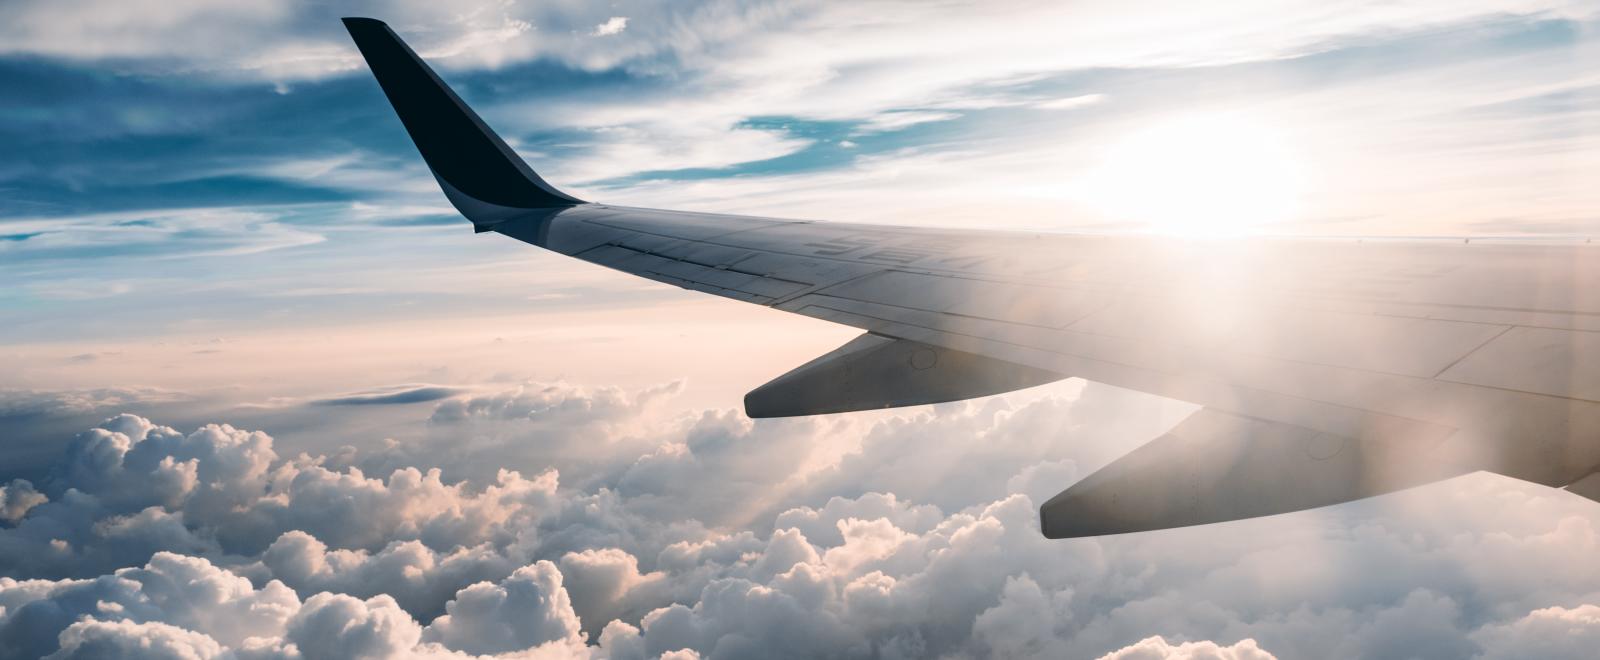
x: 613, y: 25
x: 635, y: 551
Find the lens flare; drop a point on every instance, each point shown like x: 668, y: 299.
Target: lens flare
x: 1201, y: 175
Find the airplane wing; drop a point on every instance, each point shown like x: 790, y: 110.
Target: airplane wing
x: 1329, y: 370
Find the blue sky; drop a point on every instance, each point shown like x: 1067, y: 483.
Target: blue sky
x: 211, y: 220
x: 153, y: 156
x: 148, y: 161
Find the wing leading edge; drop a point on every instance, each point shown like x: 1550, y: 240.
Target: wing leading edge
x: 1328, y: 371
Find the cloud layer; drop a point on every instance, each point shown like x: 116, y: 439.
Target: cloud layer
x: 148, y: 540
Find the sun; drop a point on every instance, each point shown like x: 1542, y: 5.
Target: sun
x: 1209, y: 175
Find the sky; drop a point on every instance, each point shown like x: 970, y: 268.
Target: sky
x: 263, y: 394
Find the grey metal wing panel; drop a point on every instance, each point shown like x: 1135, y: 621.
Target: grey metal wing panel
x: 1337, y: 324
x: 1334, y: 339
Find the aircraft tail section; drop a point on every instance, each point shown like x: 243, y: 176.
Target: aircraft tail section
x: 482, y: 176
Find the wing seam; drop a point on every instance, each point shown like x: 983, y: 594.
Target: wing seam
x: 1468, y: 354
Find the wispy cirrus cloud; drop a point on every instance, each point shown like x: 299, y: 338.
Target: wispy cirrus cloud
x: 389, y: 396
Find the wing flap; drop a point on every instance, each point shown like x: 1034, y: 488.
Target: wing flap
x: 1588, y: 486
x: 873, y: 371
x: 1218, y: 466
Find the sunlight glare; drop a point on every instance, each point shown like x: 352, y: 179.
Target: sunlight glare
x: 1210, y: 175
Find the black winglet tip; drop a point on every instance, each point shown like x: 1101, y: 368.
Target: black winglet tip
x: 352, y: 22
x: 1052, y: 532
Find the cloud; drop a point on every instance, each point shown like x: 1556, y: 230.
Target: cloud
x: 613, y: 25
x: 665, y: 144
x: 339, y: 626
x: 91, y: 638
x: 530, y: 608
x: 33, y: 403
x: 199, y: 604
x: 218, y: 231
x: 559, y: 404
x: 1551, y: 632
x: 177, y: 605
x: 728, y: 63
x: 1156, y: 648
x: 1024, y: 623
x: 607, y: 585
x: 729, y: 469
x: 902, y: 119
x: 16, y: 498
x: 419, y: 578
x: 1070, y: 102
x: 130, y: 30
x: 1024, y: 446
x: 397, y: 395
x: 639, y: 554
x: 560, y: 425
x: 185, y: 607
x: 220, y: 489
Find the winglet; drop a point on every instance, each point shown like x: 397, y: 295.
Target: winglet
x: 482, y: 176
